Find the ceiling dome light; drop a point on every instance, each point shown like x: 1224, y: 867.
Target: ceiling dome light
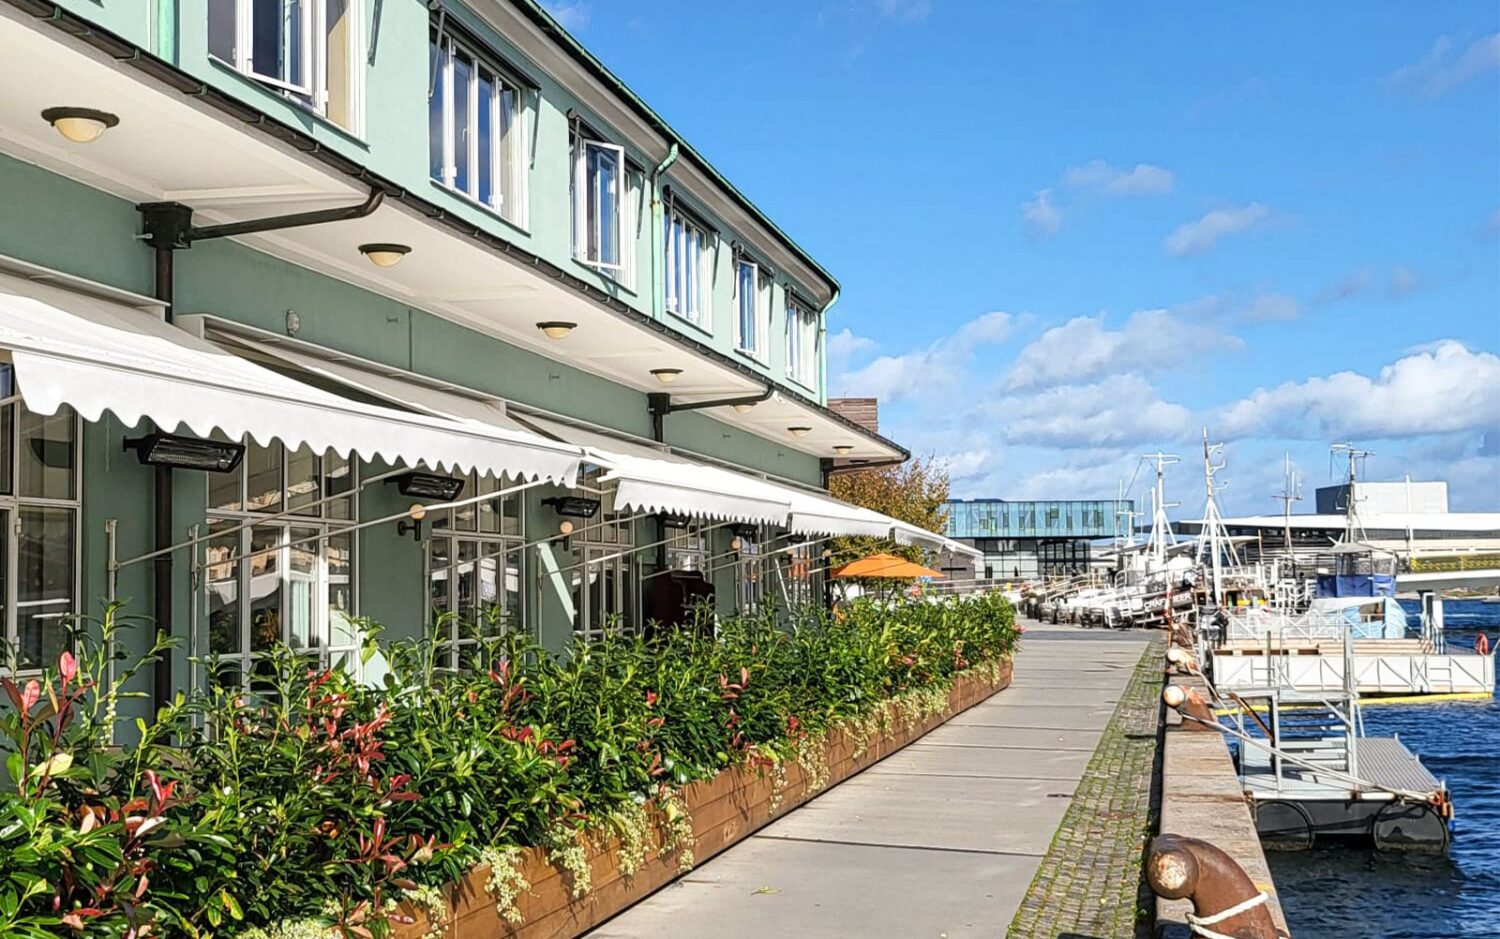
x: 80, y: 125
x: 843, y: 449
x: 666, y: 375
x: 556, y: 329
x: 799, y: 431
x: 385, y: 255
x: 744, y: 408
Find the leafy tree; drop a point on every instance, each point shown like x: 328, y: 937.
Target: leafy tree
x: 914, y: 492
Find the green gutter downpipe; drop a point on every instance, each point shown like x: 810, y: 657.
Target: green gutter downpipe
x: 658, y: 266
x: 823, y: 346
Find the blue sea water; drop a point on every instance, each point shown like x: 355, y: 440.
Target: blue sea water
x: 1339, y: 893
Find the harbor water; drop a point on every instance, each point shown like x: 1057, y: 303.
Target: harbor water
x: 1339, y: 893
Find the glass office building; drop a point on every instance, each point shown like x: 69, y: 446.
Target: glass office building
x: 1028, y: 539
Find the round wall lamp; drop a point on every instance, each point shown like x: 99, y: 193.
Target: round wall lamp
x: 384, y: 254
x: 556, y: 329
x: 80, y: 125
x: 666, y: 375
x: 843, y: 449
x: 799, y: 431
x: 565, y: 527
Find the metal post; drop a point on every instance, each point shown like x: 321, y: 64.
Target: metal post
x: 161, y: 497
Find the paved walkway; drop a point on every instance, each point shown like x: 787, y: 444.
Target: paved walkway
x: 940, y: 840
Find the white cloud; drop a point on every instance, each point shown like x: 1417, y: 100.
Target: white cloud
x: 906, y: 11
x: 1271, y: 307
x: 1362, y: 282
x: 1404, y: 281
x: 1083, y: 348
x: 1352, y: 284
x: 1040, y: 216
x: 1444, y: 67
x: 572, y: 15
x: 1143, y: 179
x: 1201, y: 235
x: 1120, y: 410
x: 932, y: 371
x: 844, y: 347
x: 1445, y: 389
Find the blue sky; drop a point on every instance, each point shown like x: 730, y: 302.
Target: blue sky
x: 1070, y: 233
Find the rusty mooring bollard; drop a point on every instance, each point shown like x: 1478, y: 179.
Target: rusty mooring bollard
x: 1190, y: 703
x: 1225, y: 900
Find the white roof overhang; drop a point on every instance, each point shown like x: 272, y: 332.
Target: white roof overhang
x: 99, y: 354
x: 159, y: 152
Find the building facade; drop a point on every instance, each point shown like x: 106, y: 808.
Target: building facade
x: 364, y: 239
x: 1022, y: 540
x: 1384, y: 498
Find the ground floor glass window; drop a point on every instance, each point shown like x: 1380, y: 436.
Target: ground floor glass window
x: 39, y: 508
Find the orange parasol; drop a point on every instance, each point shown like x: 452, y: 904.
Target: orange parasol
x: 884, y: 566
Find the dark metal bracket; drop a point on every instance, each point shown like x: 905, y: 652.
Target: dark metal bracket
x: 170, y: 225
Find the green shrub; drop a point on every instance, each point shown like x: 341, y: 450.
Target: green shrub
x: 309, y: 802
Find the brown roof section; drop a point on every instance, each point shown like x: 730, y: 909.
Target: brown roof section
x: 863, y: 411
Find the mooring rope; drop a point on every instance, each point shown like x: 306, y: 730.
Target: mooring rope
x: 1199, y: 924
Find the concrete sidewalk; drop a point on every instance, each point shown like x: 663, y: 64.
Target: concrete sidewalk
x: 940, y: 840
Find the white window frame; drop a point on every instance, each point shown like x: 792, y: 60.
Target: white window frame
x: 801, y: 344
x: 311, y: 87
x: 320, y: 626
x: 12, y: 504
x: 678, y: 252
x: 458, y: 634
x: 587, y: 233
x: 750, y: 574
x: 760, y: 313
x: 505, y: 149
x: 605, y: 542
x: 687, y: 545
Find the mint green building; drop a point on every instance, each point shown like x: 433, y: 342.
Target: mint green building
x: 360, y: 249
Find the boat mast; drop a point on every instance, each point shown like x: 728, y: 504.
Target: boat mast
x: 1213, y: 538
x: 1291, y: 491
x: 1353, y: 530
x: 1161, y: 529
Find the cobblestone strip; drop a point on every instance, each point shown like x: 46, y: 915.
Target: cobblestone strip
x: 1090, y: 885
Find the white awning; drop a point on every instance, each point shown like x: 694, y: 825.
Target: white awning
x: 813, y: 514
x: 907, y: 533
x: 99, y: 355
x: 651, y: 480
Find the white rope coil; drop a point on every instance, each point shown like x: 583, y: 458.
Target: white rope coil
x: 1199, y: 924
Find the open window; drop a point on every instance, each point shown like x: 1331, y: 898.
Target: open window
x: 600, y: 205
x: 309, y: 50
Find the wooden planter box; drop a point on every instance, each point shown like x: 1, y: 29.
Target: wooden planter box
x: 724, y: 810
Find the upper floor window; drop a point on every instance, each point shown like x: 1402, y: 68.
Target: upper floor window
x: 311, y: 50
x: 687, y: 266
x: 801, y: 344
x: 475, y: 129
x: 601, y: 206
x: 39, y: 488
x: 751, y: 309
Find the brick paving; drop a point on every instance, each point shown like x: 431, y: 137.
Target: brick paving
x: 1089, y: 884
